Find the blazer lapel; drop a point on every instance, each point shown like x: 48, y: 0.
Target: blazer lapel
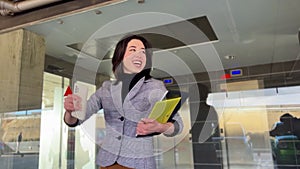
x: 135, y: 89
x: 115, y: 91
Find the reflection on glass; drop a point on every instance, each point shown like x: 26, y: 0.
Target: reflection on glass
x: 175, y: 152
x: 254, y: 134
x: 21, y: 131
x: 246, y: 138
x: 19, y: 139
x: 284, y: 136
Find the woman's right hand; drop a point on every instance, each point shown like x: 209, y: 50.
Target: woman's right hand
x: 72, y: 102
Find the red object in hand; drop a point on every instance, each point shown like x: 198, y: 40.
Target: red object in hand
x: 68, y: 91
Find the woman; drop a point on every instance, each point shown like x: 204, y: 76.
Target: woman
x: 127, y: 103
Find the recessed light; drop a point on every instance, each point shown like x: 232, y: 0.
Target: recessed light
x: 60, y: 21
x: 229, y: 57
x: 98, y: 12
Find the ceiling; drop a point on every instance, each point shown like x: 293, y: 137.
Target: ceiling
x: 254, y: 32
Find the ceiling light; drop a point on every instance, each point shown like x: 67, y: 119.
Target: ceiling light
x: 229, y: 57
x: 60, y: 21
x: 54, y: 68
x: 98, y: 12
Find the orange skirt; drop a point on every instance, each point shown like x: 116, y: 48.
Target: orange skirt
x: 115, y: 166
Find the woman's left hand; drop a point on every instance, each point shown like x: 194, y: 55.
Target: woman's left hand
x: 147, y: 126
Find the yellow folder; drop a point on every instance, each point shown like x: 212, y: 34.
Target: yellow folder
x: 162, y: 110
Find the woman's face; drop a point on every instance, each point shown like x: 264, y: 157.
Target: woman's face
x: 134, y: 59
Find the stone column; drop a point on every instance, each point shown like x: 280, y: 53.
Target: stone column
x: 21, y: 70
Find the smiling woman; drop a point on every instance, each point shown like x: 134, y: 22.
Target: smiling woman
x: 127, y: 102
x: 135, y: 58
x: 189, y: 45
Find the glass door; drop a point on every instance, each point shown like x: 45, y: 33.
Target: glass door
x: 261, y: 128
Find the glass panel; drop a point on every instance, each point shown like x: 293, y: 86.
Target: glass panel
x: 29, y: 138
x: 20, y: 134
x: 176, y: 152
x: 85, y: 138
x: 261, y: 128
x: 284, y: 135
x: 54, y: 143
x: 51, y: 82
x: 246, y: 138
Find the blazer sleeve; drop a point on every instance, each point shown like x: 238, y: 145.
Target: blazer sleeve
x: 94, y: 104
x: 176, y: 119
x: 178, y: 125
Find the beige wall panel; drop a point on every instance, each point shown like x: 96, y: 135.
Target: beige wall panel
x: 10, y: 65
x: 21, y: 70
x: 242, y: 85
x: 32, y: 68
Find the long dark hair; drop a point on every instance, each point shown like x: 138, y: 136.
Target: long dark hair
x: 119, y: 55
x: 120, y: 51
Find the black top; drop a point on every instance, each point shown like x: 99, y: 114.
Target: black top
x: 126, y: 80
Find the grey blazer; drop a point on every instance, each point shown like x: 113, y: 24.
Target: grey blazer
x: 120, y: 144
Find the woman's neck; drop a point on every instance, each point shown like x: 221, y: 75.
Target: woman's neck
x: 126, y: 77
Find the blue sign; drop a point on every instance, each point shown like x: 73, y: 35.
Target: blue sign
x: 236, y: 72
x: 168, y: 81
